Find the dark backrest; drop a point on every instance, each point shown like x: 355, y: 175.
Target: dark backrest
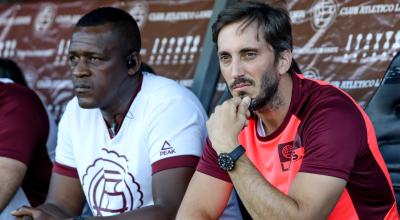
x: 384, y: 111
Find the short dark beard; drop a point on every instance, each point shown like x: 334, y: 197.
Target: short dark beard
x: 268, y: 92
x: 268, y: 96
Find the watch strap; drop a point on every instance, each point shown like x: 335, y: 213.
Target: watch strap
x: 237, y: 152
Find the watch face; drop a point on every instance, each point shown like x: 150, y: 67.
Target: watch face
x: 225, y: 162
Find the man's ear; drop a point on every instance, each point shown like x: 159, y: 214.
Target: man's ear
x: 134, y: 63
x: 285, y: 61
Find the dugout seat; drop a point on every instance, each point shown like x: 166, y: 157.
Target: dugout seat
x: 384, y: 111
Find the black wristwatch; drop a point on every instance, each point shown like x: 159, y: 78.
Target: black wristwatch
x: 226, y: 161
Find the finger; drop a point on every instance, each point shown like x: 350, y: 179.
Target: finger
x: 244, y: 106
x: 248, y: 114
x: 234, y: 102
x: 228, y: 107
x: 27, y: 218
x: 24, y: 210
x: 241, y: 119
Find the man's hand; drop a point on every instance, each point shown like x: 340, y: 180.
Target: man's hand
x: 226, y: 122
x: 64, y: 200
x: 29, y: 213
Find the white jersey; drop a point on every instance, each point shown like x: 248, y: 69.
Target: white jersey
x: 164, y: 128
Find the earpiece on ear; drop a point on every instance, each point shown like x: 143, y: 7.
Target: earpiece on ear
x: 131, y: 62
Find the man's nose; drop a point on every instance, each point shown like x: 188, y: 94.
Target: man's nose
x: 237, y: 69
x: 80, y: 69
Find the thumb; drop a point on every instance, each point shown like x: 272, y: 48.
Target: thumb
x: 244, y: 105
x: 23, y: 211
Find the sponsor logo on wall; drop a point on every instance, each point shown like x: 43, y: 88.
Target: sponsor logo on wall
x: 45, y: 18
x: 139, y: 11
x: 312, y: 73
x: 324, y: 13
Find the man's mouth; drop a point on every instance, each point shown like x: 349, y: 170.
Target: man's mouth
x: 82, y: 88
x: 240, y: 84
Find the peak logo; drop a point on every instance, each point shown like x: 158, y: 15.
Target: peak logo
x: 167, y: 149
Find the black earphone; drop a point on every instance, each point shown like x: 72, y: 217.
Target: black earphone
x: 131, y: 62
x: 4, y: 73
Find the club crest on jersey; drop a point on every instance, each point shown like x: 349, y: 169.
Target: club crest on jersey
x: 290, y: 152
x: 109, y: 186
x: 167, y: 149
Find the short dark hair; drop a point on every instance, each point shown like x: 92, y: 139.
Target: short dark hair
x: 10, y: 70
x: 121, y: 21
x: 274, y: 21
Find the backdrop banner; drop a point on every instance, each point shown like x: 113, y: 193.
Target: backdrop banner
x: 37, y: 37
x: 347, y: 43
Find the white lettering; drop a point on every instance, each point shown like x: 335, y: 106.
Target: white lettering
x: 316, y: 50
x: 20, y: 20
x: 397, y: 8
x: 35, y: 53
x: 349, y: 11
x: 335, y: 83
x: 47, y: 83
x: 180, y: 16
x: 67, y: 19
x: 297, y: 16
x: 377, y: 9
x: 359, y: 84
x: 369, y: 9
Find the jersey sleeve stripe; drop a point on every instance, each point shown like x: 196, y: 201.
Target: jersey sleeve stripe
x: 175, y: 162
x: 65, y: 170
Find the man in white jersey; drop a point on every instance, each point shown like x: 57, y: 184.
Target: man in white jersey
x: 129, y: 141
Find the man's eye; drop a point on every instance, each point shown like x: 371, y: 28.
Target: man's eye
x: 73, y: 60
x: 251, y: 55
x: 224, y: 58
x: 94, y: 59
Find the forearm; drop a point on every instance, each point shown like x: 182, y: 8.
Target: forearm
x: 7, y: 191
x: 12, y: 173
x: 261, y: 199
x: 197, y: 203
x: 193, y: 215
x: 54, y: 210
x: 153, y: 212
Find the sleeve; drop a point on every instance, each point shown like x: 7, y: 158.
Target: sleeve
x: 65, y: 161
x: 23, y: 123
x: 175, y: 133
x: 208, y: 163
x: 334, y: 136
